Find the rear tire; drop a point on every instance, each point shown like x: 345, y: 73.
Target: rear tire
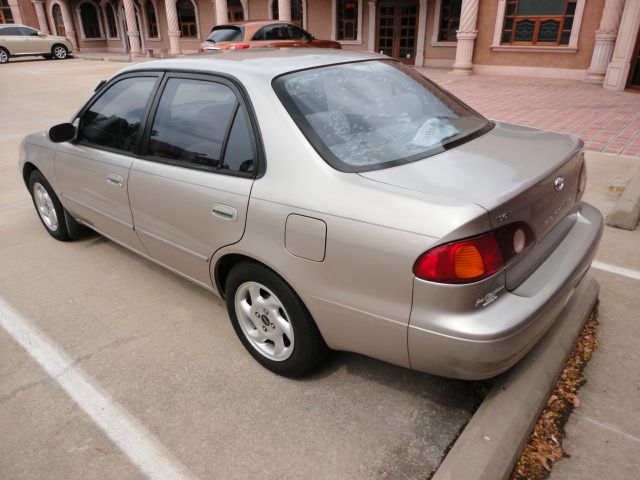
x: 59, y: 52
x: 4, y: 55
x: 271, y: 321
x: 50, y: 210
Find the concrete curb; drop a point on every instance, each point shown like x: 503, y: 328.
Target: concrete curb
x: 491, y: 443
x: 626, y: 212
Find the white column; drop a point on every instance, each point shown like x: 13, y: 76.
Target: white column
x: 467, y: 34
x: 284, y: 10
x: 373, y: 11
x: 422, y: 33
x: 42, y: 16
x: 69, y: 30
x: 222, y: 13
x: 605, y: 41
x: 132, y: 28
x: 173, y: 27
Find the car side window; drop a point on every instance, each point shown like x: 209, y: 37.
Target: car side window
x: 238, y: 156
x: 29, y: 32
x: 114, y: 119
x: 11, y: 32
x: 272, y: 32
x: 191, y: 122
x: 296, y: 33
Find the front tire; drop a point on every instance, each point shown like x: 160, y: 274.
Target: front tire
x: 4, y: 55
x: 59, y: 52
x: 50, y: 210
x: 271, y: 321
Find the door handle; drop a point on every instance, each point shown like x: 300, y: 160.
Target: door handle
x: 116, y: 180
x: 225, y: 212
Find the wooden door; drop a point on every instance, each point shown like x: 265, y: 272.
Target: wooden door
x: 633, y: 81
x: 397, y: 29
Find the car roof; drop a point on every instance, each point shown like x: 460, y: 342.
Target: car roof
x: 252, y: 26
x: 265, y: 63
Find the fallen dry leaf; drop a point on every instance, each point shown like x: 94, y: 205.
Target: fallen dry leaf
x: 544, y: 446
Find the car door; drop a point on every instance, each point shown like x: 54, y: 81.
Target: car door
x: 189, y: 190
x: 14, y: 40
x: 93, y: 170
x: 299, y: 37
x: 33, y: 42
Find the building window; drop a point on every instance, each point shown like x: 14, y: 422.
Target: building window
x: 297, y: 11
x: 57, y: 20
x: 235, y: 10
x: 449, y: 20
x: 112, y: 26
x: 187, y: 19
x: 90, y: 20
x: 347, y: 19
x: 6, y: 15
x: 535, y: 22
x: 152, y: 20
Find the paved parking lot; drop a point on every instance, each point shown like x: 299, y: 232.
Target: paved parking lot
x: 164, y: 357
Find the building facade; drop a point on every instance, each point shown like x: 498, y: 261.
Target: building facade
x: 591, y: 40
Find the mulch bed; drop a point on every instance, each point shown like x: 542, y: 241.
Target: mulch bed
x: 544, y: 446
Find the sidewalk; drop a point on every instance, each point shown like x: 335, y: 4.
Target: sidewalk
x: 607, y: 121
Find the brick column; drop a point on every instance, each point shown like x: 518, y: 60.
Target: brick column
x: 222, y: 14
x: 42, y: 16
x: 373, y: 11
x: 15, y: 11
x: 605, y: 41
x: 467, y: 34
x: 132, y: 28
x: 284, y: 10
x: 174, y: 28
x: 69, y: 30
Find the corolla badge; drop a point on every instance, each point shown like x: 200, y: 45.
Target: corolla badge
x: 558, y: 183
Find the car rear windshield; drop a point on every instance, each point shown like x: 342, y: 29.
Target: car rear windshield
x: 225, y: 34
x: 375, y: 114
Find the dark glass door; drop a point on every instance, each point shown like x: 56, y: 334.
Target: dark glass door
x: 633, y: 82
x: 397, y: 29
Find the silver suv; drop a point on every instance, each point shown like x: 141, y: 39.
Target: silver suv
x: 19, y: 40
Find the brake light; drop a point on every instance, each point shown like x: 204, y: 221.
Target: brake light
x: 239, y: 46
x: 461, y: 262
x: 476, y: 258
x: 582, y: 181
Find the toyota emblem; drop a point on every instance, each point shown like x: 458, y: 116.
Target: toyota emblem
x: 558, y: 183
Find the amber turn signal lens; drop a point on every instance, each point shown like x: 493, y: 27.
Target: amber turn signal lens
x: 468, y: 262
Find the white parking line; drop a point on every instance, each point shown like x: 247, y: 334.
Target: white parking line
x: 625, y: 272
x: 135, y: 441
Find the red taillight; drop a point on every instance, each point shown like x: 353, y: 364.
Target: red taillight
x: 476, y: 258
x: 582, y: 181
x: 239, y: 46
x: 461, y: 262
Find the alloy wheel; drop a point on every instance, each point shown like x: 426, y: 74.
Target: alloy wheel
x: 264, y: 321
x: 46, y: 209
x: 4, y: 58
x: 60, y: 52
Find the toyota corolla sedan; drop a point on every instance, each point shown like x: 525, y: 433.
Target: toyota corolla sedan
x: 335, y: 200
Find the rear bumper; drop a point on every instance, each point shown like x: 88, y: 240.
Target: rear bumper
x: 480, y: 332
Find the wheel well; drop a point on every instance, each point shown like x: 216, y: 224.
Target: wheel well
x: 27, y: 170
x: 224, y: 266
x: 5, y: 49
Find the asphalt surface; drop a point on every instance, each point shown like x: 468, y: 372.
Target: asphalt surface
x: 114, y: 366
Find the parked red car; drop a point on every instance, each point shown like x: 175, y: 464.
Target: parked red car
x: 261, y: 34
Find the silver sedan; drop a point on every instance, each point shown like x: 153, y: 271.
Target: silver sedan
x: 336, y: 200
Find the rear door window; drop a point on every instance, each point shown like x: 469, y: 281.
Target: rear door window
x: 113, y: 120
x: 272, y: 33
x: 196, y: 122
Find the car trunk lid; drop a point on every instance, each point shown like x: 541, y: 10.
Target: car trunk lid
x: 517, y: 174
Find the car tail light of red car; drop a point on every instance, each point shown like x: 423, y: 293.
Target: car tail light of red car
x: 475, y: 258
x: 239, y: 46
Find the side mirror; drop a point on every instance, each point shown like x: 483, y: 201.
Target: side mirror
x: 63, y: 132
x: 42, y: 35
